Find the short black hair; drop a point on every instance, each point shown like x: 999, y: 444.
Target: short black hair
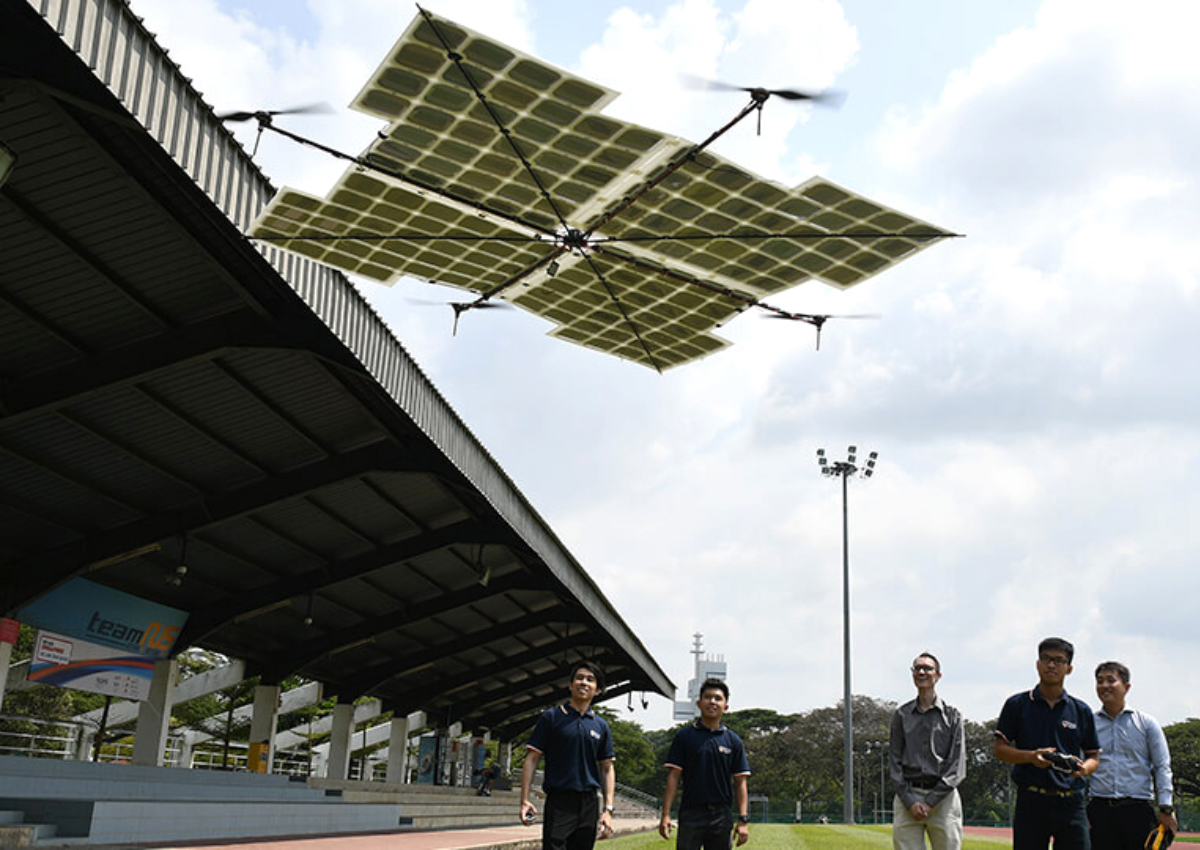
x: 937, y: 664
x: 715, y: 685
x: 1113, y: 667
x: 1061, y: 644
x: 584, y: 664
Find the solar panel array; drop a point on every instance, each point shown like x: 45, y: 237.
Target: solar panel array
x: 444, y: 198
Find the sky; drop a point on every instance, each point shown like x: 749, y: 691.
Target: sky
x: 1030, y: 388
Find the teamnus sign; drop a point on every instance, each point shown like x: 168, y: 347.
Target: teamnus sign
x: 156, y: 638
x: 102, y: 615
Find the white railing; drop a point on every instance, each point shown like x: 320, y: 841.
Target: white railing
x: 37, y: 745
x: 52, y: 743
x: 62, y: 740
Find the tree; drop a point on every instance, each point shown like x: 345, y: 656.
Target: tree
x: 636, y: 766
x: 801, y: 757
x: 986, y: 790
x: 1183, y: 740
x: 755, y: 722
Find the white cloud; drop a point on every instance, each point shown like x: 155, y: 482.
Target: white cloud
x: 1028, y: 387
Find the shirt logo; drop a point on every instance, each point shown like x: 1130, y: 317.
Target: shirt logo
x: 594, y: 734
x: 723, y: 750
x: 1067, y: 724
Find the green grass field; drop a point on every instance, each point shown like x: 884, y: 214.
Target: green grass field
x: 802, y: 837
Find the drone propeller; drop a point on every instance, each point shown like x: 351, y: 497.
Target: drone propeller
x: 265, y: 115
x: 818, y: 320
x: 460, y: 307
x: 827, y: 97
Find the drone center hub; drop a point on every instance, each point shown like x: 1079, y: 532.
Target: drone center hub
x: 573, y: 240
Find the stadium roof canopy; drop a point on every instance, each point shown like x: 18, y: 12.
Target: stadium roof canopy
x: 171, y: 394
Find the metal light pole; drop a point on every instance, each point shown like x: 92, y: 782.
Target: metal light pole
x: 846, y: 469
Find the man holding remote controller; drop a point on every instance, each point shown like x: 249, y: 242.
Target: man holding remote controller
x: 1050, y: 738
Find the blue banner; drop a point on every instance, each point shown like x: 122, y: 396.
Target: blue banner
x: 427, y: 756
x: 93, y: 612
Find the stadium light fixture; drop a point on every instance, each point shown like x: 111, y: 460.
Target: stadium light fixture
x: 847, y: 469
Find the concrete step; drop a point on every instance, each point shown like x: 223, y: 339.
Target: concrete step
x: 394, y: 788
x: 412, y: 811
x: 25, y: 834
x: 508, y: 798
x: 461, y: 821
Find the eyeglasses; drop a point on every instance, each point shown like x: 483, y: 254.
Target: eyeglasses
x: 1054, y: 660
x: 923, y: 668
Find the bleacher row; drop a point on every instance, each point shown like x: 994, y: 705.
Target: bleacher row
x: 46, y: 802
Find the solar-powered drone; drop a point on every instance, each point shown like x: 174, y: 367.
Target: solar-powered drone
x: 500, y: 175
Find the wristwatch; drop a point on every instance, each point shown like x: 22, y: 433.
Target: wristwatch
x: 609, y: 809
x: 743, y: 818
x: 1167, y: 810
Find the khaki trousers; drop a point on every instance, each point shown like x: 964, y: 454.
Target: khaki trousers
x: 943, y: 826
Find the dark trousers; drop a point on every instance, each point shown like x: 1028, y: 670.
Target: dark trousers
x: 1120, y: 824
x: 705, y: 828
x: 1040, y: 817
x: 570, y: 820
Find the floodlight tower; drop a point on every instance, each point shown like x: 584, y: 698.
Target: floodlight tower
x: 847, y: 469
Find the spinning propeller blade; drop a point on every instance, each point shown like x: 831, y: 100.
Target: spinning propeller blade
x: 460, y: 307
x: 320, y: 108
x: 817, y: 320
x: 820, y: 317
x: 827, y: 97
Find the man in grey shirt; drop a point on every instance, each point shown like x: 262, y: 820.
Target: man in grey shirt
x: 927, y: 762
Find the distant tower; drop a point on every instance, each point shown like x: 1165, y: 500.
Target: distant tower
x: 706, y: 668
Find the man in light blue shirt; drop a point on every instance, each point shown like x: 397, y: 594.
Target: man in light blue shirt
x: 1131, y: 790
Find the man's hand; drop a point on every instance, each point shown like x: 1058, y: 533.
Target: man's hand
x: 528, y: 813
x: 919, y: 810
x: 742, y: 831
x: 1169, y: 821
x: 1038, y: 759
x: 665, y: 826
x: 605, y: 829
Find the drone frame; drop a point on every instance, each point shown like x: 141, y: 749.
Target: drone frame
x: 568, y: 239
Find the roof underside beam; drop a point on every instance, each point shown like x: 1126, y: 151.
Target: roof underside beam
x: 104, y: 372
x: 519, y: 723
x: 206, y: 620
x: 309, y: 652
x: 444, y: 687
x: 517, y: 716
x: 375, y: 677
x: 36, y: 575
x: 483, y: 700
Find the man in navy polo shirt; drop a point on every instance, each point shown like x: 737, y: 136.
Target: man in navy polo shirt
x: 579, y: 762
x: 712, y: 762
x: 1050, y: 802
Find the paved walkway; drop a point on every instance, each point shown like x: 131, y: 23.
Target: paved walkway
x: 515, y: 837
